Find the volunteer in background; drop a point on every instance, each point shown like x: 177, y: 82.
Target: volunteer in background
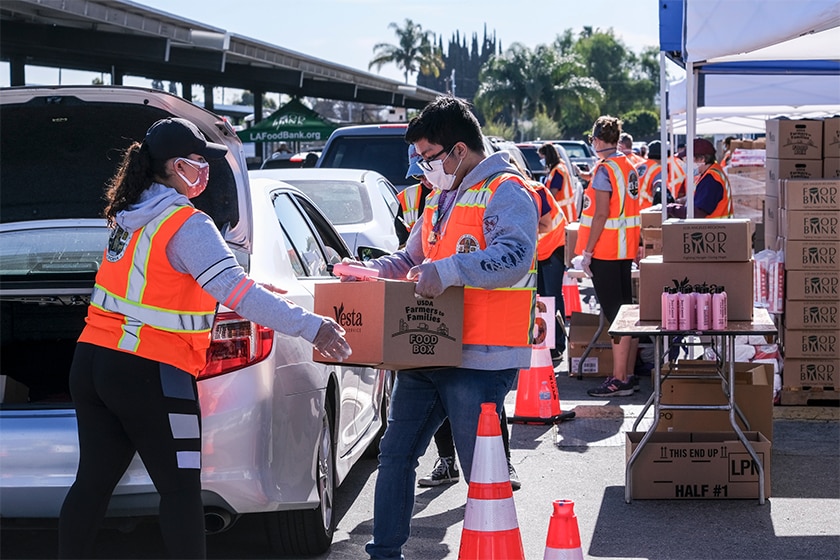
x: 608, y: 239
x: 479, y: 231
x: 712, y: 192
x: 148, y: 330
x: 650, y: 177
x: 559, y: 180
x: 413, y: 199
x: 625, y: 144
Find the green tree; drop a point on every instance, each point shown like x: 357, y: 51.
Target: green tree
x: 503, y: 90
x: 643, y: 124
x: 247, y: 98
x: 413, y: 53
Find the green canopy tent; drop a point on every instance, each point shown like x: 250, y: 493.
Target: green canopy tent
x: 293, y: 122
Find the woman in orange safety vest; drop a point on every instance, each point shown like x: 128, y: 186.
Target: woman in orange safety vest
x: 148, y: 330
x: 712, y: 191
x: 559, y: 181
x: 608, y: 239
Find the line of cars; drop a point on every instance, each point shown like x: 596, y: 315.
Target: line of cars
x: 280, y: 432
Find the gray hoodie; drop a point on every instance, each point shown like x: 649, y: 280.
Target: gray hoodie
x: 199, y: 250
x: 499, y: 265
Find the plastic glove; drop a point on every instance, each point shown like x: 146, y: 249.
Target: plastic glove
x: 362, y: 264
x: 585, y: 262
x: 330, y: 341
x: 429, y: 284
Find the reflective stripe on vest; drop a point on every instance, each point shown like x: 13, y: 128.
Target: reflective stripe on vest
x: 555, y: 237
x: 646, y: 184
x: 566, y: 197
x: 619, y: 239
x: 410, y: 202
x: 724, y: 208
x: 494, y: 317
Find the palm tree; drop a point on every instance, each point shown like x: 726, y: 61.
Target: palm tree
x: 504, y: 85
x: 414, y: 52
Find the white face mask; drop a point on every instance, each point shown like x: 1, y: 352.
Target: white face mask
x: 195, y: 188
x: 439, y: 178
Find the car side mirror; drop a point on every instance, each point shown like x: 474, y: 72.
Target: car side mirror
x: 364, y: 253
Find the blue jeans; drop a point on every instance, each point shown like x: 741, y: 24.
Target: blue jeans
x: 420, y: 401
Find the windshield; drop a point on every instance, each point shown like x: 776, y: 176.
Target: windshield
x: 575, y: 150
x: 385, y: 154
x: 343, y: 202
x: 52, y: 251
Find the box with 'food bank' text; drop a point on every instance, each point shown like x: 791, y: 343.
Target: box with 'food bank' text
x: 389, y: 327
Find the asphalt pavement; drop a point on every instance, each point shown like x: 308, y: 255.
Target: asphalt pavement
x: 583, y: 460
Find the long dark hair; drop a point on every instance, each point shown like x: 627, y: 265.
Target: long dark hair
x: 136, y: 173
x: 549, y: 152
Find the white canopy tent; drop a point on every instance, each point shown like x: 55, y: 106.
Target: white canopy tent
x: 771, y: 41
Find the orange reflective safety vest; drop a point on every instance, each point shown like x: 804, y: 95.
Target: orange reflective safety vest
x: 652, y: 168
x: 142, y: 305
x: 410, y: 199
x: 493, y: 317
x: 620, y: 238
x: 565, y: 198
x: 724, y: 208
x: 554, y: 235
x: 676, y: 176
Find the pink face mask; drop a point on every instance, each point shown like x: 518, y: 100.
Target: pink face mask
x: 195, y: 188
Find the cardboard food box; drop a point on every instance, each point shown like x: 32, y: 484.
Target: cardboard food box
x: 812, y: 344
x: 697, y: 465
x: 651, y: 216
x: 799, y: 194
x: 651, y: 241
x: 811, y: 255
x: 811, y: 373
x: 813, y: 285
x: 706, y: 240
x: 831, y: 168
x: 778, y: 169
x: 771, y: 223
x: 389, y: 327
x: 753, y: 395
x: 735, y: 277
x: 599, y: 362
x: 794, y: 139
x: 831, y: 137
x: 809, y: 224
x: 812, y: 314
x: 571, y: 241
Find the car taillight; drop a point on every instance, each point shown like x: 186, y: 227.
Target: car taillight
x: 236, y: 343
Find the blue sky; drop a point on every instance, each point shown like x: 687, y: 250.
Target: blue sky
x: 345, y: 31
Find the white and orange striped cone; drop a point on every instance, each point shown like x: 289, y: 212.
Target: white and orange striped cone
x: 563, y: 540
x: 527, y: 409
x: 491, y: 530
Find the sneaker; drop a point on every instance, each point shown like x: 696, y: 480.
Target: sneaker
x: 515, y: 483
x: 612, y: 387
x: 633, y: 381
x: 445, y: 472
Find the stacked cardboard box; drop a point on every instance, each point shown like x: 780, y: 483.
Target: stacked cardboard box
x: 700, y: 251
x: 809, y: 229
x: 651, y: 230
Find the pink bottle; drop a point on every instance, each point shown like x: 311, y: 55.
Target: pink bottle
x: 719, y: 309
x: 686, y: 309
x: 704, y: 308
x: 670, y: 309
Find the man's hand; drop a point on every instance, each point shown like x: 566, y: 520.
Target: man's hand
x: 429, y: 284
x: 585, y: 262
x: 330, y: 341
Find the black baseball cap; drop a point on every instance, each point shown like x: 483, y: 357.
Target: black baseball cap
x: 174, y: 137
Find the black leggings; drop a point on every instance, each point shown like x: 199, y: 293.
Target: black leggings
x: 127, y: 404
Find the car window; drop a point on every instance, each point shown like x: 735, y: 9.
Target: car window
x: 576, y: 151
x: 387, y: 191
x: 34, y: 252
x: 343, y: 202
x: 330, y: 238
x: 308, y: 258
x: 386, y: 154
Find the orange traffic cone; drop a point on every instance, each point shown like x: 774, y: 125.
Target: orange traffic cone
x: 563, y: 540
x: 571, y: 295
x: 491, y: 530
x: 528, y: 390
